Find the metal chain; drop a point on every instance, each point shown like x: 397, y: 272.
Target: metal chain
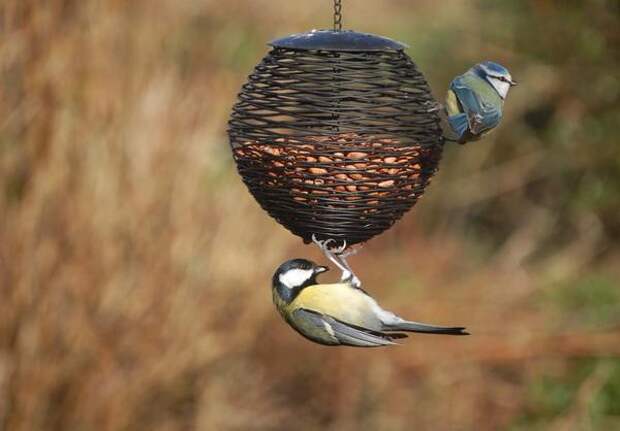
x: 337, y: 15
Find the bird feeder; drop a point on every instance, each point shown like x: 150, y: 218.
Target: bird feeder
x: 335, y: 134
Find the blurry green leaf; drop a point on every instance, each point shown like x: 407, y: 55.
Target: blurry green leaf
x: 594, y: 299
x: 552, y: 396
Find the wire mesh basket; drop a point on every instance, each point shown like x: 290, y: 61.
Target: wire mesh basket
x: 335, y: 134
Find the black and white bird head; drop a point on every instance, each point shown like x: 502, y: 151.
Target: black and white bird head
x: 496, y: 75
x: 293, y: 276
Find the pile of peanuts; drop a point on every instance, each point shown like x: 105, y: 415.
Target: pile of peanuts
x: 346, y: 168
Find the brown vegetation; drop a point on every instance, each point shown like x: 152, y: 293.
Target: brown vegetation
x: 135, y: 267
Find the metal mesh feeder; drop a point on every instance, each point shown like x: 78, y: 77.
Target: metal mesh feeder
x: 335, y: 134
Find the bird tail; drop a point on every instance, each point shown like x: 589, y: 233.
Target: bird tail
x: 425, y: 328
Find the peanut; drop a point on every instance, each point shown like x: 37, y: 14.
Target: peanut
x: 356, y: 155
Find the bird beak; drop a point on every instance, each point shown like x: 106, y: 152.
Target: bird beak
x: 513, y: 83
x: 320, y: 269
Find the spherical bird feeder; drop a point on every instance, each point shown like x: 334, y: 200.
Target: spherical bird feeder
x: 335, y: 134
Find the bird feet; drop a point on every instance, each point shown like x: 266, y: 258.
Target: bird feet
x: 475, y: 123
x: 433, y: 106
x: 338, y: 256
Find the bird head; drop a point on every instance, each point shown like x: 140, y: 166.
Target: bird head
x: 293, y: 276
x: 496, y: 75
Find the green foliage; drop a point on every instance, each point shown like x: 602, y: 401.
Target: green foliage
x: 552, y: 397
x: 593, y: 300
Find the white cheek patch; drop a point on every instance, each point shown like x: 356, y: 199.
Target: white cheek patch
x: 295, y: 277
x: 501, y: 87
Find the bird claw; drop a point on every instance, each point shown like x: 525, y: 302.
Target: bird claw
x: 475, y: 117
x: 338, y: 256
x: 433, y: 106
x: 337, y: 249
x: 324, y: 245
x: 475, y: 121
x: 318, y: 242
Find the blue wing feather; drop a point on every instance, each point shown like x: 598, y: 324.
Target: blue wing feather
x: 480, y: 116
x: 460, y: 124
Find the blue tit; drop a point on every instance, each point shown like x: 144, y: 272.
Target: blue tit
x: 339, y: 314
x: 475, y: 100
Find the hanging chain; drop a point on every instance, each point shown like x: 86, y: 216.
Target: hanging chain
x: 337, y: 15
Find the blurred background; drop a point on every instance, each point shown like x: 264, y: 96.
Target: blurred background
x: 135, y: 266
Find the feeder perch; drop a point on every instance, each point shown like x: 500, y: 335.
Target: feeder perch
x: 335, y: 134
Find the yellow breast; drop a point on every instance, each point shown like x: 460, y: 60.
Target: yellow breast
x: 339, y: 300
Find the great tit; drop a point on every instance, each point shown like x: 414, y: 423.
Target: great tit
x: 475, y: 100
x: 339, y: 314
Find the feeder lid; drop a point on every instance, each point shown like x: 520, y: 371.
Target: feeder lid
x: 330, y: 40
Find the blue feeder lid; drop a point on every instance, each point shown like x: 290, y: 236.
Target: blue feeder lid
x: 330, y: 40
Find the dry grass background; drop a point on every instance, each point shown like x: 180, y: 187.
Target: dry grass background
x: 134, y: 266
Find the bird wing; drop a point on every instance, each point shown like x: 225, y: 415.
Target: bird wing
x: 459, y: 124
x: 481, y: 116
x: 340, y: 301
x: 344, y: 333
x: 487, y: 121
